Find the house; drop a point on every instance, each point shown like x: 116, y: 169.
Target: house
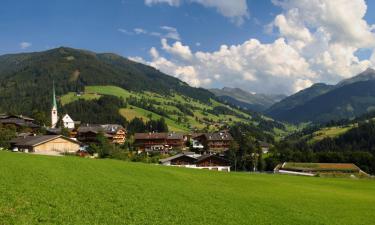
x: 314, y: 169
x: 264, y: 146
x: 160, y: 142
x: 45, y: 144
x: 68, y: 122
x: 213, y: 162
x: 88, y: 133
x: 196, y: 161
x: 213, y: 142
x: 19, y: 121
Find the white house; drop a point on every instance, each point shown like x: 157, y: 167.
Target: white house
x: 68, y: 122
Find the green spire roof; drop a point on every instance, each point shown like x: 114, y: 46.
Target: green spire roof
x: 54, y: 96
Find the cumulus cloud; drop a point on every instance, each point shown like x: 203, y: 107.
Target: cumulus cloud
x: 25, y: 45
x: 318, y: 41
x: 236, y: 11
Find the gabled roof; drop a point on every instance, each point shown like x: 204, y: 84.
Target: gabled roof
x: 176, y: 157
x: 153, y: 136
x: 204, y: 157
x: 97, y: 128
x: 37, y: 140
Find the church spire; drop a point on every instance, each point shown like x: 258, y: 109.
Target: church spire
x: 54, y: 116
x: 54, y: 96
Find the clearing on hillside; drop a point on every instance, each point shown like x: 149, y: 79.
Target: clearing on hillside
x: 70, y: 190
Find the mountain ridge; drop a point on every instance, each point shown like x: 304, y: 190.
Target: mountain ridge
x: 321, y: 102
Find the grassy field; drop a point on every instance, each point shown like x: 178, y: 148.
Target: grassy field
x: 69, y: 190
x: 330, y: 132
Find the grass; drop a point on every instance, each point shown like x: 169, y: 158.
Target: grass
x: 69, y: 190
x: 330, y: 132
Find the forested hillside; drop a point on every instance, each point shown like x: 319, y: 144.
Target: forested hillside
x: 146, y: 93
x: 321, y: 103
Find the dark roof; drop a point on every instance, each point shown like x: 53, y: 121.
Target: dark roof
x: 176, y: 157
x: 150, y: 136
x: 8, y: 116
x: 37, y: 140
x: 204, y: 157
x: 18, y: 121
x: 97, y: 128
x: 218, y: 136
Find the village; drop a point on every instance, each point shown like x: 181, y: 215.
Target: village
x: 66, y: 136
x: 191, y: 150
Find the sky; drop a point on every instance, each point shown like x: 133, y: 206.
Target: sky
x: 262, y: 46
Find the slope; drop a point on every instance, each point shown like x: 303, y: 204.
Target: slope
x: 69, y: 190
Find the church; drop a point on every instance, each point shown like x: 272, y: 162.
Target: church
x: 66, y: 121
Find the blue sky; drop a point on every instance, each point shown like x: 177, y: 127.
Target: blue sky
x: 133, y: 28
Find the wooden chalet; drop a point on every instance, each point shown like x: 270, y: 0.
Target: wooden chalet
x: 19, y: 121
x: 160, y: 142
x: 45, y: 144
x: 88, y: 133
x: 196, y: 161
x: 214, y: 142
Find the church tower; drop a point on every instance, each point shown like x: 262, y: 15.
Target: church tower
x: 54, y: 117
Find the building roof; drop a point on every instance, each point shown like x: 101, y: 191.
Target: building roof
x: 37, y: 140
x: 318, y: 167
x: 178, y: 156
x: 8, y: 116
x: 204, y: 157
x: 97, y: 128
x: 218, y: 136
x: 153, y: 136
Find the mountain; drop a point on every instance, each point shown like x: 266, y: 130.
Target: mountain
x: 282, y: 109
x: 85, y: 79
x: 247, y: 100
x: 320, y: 103
x: 366, y: 75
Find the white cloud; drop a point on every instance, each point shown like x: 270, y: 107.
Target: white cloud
x: 236, y: 11
x: 169, y: 2
x: 140, y: 31
x: 166, y: 32
x: 318, y: 41
x: 124, y: 31
x: 171, y: 32
x: 25, y: 45
x: 177, y: 49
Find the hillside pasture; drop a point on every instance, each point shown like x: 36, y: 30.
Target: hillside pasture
x: 68, y: 190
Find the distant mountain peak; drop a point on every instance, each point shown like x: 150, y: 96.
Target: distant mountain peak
x: 368, y: 74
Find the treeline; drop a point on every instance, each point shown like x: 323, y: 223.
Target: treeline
x: 355, y: 146
x: 103, y: 110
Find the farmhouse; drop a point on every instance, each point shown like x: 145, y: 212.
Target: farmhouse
x: 196, y: 161
x: 313, y: 169
x: 213, y: 142
x: 114, y: 132
x: 18, y: 121
x: 45, y: 144
x: 160, y: 142
x: 68, y: 122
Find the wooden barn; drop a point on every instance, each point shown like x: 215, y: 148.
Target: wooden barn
x: 45, y: 144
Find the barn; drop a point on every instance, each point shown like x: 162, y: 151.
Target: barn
x: 45, y: 144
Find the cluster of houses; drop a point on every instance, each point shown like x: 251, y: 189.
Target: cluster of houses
x: 208, y: 146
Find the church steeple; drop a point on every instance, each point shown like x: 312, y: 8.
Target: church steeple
x: 54, y: 105
x: 54, y: 117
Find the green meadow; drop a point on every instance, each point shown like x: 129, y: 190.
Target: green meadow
x: 70, y: 190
